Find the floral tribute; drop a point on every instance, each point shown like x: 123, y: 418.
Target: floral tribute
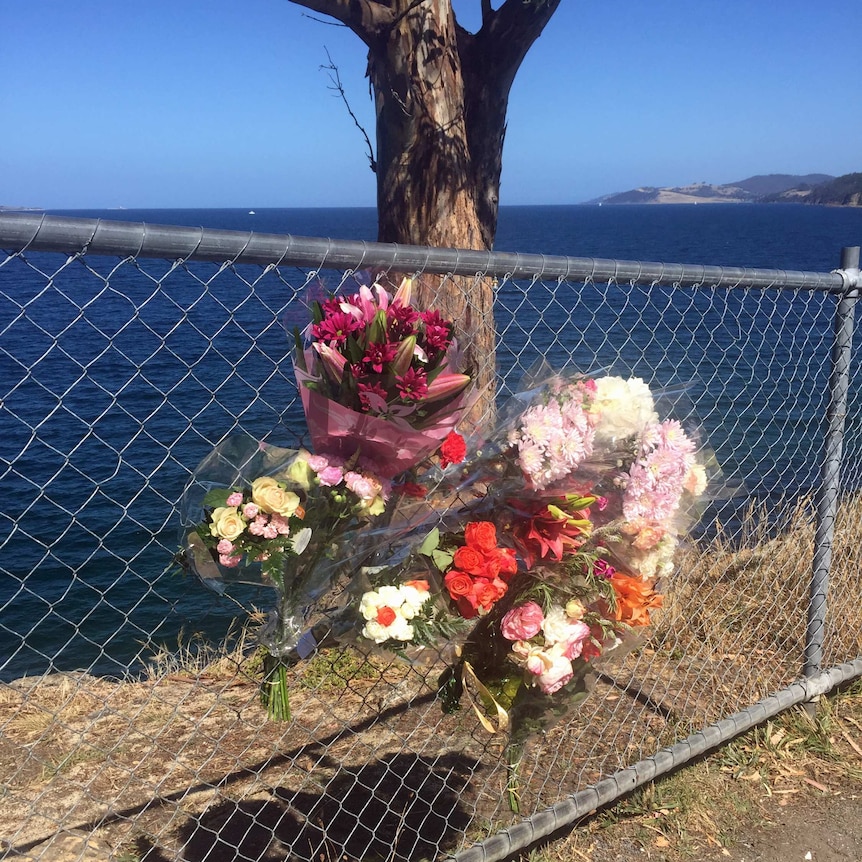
x: 575, y: 508
x: 381, y: 395
x: 539, y: 547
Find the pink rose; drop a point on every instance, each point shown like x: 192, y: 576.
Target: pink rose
x: 234, y: 499
x: 522, y: 622
x: 224, y: 547
x: 574, y: 643
x: 557, y: 673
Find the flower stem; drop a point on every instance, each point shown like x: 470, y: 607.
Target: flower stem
x: 274, y: 694
x: 513, y: 780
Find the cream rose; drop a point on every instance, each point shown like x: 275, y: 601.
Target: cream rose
x: 273, y: 497
x: 227, y: 523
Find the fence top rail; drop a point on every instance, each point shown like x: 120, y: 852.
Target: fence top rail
x: 67, y: 235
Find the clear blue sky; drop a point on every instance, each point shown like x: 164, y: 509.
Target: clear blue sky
x: 222, y: 103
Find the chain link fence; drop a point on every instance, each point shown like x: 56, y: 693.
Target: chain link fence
x: 130, y: 724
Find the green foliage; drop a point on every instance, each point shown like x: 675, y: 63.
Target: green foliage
x: 217, y: 497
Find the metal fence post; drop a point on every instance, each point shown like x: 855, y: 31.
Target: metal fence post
x: 828, y: 492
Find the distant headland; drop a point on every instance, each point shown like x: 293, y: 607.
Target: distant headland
x: 821, y: 189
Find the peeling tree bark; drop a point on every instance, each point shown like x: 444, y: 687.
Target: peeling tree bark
x: 441, y: 95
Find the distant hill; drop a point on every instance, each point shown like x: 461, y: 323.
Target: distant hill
x: 760, y: 188
x: 773, y: 184
x: 845, y: 191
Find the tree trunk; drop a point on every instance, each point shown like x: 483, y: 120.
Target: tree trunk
x: 427, y: 190
x: 441, y: 95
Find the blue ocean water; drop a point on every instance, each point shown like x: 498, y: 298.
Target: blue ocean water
x: 90, y: 400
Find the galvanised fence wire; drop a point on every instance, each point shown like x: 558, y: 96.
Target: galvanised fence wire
x: 130, y: 723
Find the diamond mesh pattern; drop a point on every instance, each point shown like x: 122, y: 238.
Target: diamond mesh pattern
x: 129, y: 718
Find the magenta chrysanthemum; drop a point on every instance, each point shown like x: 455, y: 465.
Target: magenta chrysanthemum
x: 379, y: 354
x: 413, y: 384
x: 335, y: 328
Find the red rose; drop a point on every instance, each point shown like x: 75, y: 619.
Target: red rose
x: 466, y: 608
x: 508, y: 562
x: 453, y: 450
x: 458, y: 583
x: 469, y: 560
x: 481, y: 535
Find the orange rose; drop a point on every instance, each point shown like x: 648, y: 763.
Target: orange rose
x: 488, y: 593
x: 385, y: 616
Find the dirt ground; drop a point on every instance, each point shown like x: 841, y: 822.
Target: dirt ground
x: 817, y: 829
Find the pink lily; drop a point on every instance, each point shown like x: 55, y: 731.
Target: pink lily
x: 404, y: 356
x: 445, y: 385
x: 404, y: 293
x: 333, y: 362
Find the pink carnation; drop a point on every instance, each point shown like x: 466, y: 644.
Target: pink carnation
x: 234, y: 499
x: 281, y: 524
x: 258, y: 525
x: 331, y: 476
x: 318, y: 462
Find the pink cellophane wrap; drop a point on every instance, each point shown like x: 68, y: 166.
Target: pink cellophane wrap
x: 388, y: 446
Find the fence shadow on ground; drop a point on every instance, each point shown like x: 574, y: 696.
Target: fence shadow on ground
x: 402, y: 807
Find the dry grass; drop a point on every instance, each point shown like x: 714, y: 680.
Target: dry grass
x: 747, y: 594
x: 792, y: 762
x: 192, y: 736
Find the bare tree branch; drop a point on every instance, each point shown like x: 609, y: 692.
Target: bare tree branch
x: 367, y: 18
x: 335, y: 78
x: 508, y: 33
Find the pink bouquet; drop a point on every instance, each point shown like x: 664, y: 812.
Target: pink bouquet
x: 380, y: 379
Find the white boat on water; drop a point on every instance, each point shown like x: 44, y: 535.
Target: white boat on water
x: 251, y: 212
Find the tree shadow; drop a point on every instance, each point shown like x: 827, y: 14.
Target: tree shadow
x: 401, y: 808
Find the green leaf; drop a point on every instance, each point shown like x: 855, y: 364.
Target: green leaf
x: 300, y: 354
x: 217, y: 497
x: 353, y: 350
x: 430, y: 543
x: 442, y: 559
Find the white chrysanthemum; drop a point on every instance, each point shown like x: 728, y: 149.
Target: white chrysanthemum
x: 390, y: 596
x: 624, y: 408
x: 413, y: 597
x: 376, y: 632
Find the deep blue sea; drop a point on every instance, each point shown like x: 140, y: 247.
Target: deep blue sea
x: 88, y: 524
